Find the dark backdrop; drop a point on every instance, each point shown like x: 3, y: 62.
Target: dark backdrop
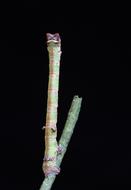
x: 95, y: 65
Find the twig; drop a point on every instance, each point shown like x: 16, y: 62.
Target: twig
x: 72, y: 118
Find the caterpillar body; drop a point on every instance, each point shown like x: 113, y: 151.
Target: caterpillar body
x: 51, y: 147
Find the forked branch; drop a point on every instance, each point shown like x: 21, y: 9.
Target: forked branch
x: 72, y: 118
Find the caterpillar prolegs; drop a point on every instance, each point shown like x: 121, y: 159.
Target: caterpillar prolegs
x: 51, y: 147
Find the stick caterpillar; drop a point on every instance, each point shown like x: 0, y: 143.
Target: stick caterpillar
x: 51, y: 146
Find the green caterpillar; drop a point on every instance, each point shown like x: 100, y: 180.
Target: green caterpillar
x: 51, y: 146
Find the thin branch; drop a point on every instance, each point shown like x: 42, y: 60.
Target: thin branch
x: 72, y: 118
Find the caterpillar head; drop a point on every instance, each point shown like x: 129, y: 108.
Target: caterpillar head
x: 55, y: 38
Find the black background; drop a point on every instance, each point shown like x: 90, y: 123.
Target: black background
x: 95, y: 65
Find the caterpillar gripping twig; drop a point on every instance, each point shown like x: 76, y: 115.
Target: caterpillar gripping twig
x: 51, y: 146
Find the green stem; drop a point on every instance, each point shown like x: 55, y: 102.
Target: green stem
x: 72, y: 118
